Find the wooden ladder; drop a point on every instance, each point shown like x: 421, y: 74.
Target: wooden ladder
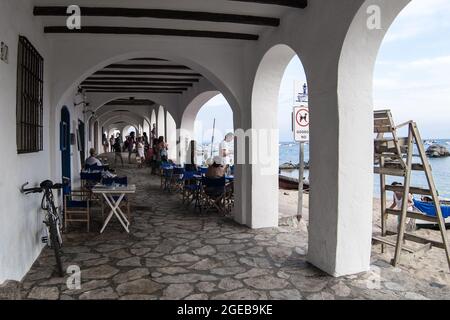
x: 393, y: 156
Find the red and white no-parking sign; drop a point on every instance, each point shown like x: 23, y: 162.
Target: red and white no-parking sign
x: 301, y: 123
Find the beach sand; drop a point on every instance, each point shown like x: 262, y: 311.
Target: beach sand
x: 431, y: 266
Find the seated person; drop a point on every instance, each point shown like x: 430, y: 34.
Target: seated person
x: 397, y: 204
x: 92, y: 160
x: 427, y: 199
x: 216, y: 169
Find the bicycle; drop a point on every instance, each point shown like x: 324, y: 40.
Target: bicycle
x: 52, y: 221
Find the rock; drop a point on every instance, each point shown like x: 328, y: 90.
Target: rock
x: 279, y: 254
x: 253, y: 273
x: 341, y: 290
x: 141, y: 286
x: 130, y: 262
x: 84, y: 256
x: 415, y: 296
x: 138, y: 297
x: 228, y: 271
x: 206, y: 287
x: 308, y: 284
x: 256, y: 262
x: 101, y: 272
x: 131, y: 275
x: 230, y: 247
x: 172, y: 270
x: 44, y: 293
x: 100, y: 294
x: 394, y: 286
x: 437, y: 151
x: 286, y: 295
x: 239, y: 236
x: 321, y: 296
x: 177, y: 291
x: 197, y: 297
x: 180, y: 249
x: 39, y: 275
x: 241, y: 294
x: 95, y: 262
x: 140, y: 252
x: 229, y: 284
x: 81, y: 249
x: 205, y: 251
x: 109, y: 247
x: 205, y: 264
x: 156, y: 263
x: 10, y: 290
x: 88, y: 286
x: 266, y: 283
x: 186, y: 278
x: 183, y: 257
x: 219, y: 241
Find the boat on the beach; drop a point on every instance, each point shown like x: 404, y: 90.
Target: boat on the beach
x: 287, y: 183
x: 287, y: 166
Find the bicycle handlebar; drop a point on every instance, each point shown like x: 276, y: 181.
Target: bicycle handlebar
x: 24, y: 190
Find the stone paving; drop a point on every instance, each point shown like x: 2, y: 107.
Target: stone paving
x: 174, y: 253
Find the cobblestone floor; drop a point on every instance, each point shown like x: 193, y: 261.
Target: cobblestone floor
x: 175, y: 253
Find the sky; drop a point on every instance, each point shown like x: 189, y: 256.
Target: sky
x: 412, y: 76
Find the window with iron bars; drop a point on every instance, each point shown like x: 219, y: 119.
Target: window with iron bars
x: 30, y: 90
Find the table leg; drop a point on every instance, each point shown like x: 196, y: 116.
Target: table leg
x: 115, y: 206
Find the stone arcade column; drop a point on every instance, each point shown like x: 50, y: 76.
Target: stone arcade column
x: 340, y: 224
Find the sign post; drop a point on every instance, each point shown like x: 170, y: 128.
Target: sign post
x: 301, y: 134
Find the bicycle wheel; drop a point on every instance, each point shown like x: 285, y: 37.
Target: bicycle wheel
x: 55, y: 244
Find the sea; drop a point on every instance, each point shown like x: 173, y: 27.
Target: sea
x: 289, y: 153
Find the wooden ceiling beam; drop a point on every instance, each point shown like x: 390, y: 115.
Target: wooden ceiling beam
x: 299, y: 4
x: 161, y: 14
x: 134, y: 83
x: 146, y: 66
x: 143, y: 79
x: 145, y: 73
x: 151, y: 32
x: 131, y: 91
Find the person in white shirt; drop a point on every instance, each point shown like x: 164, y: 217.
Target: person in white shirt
x: 92, y: 160
x: 226, y: 149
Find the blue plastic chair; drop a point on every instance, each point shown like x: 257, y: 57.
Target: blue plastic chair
x: 191, y: 188
x: 90, y: 179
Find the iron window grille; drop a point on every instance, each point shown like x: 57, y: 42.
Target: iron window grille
x: 30, y: 90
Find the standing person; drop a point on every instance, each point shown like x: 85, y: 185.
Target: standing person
x: 117, y: 150
x: 130, y: 146
x: 111, y: 142
x: 140, y: 157
x: 105, y: 143
x: 226, y: 149
x: 156, y: 160
x: 146, y: 142
x: 163, y: 148
x: 153, y: 132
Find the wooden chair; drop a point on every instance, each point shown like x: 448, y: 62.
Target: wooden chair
x: 77, y: 208
x: 214, y: 195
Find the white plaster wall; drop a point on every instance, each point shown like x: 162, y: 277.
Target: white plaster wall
x: 172, y: 137
x: 20, y: 217
x: 161, y: 122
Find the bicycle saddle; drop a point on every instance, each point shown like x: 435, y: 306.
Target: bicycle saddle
x: 47, y: 184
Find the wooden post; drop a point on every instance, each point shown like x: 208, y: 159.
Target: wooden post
x: 407, y: 182
x: 300, y: 181
x: 383, y: 203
